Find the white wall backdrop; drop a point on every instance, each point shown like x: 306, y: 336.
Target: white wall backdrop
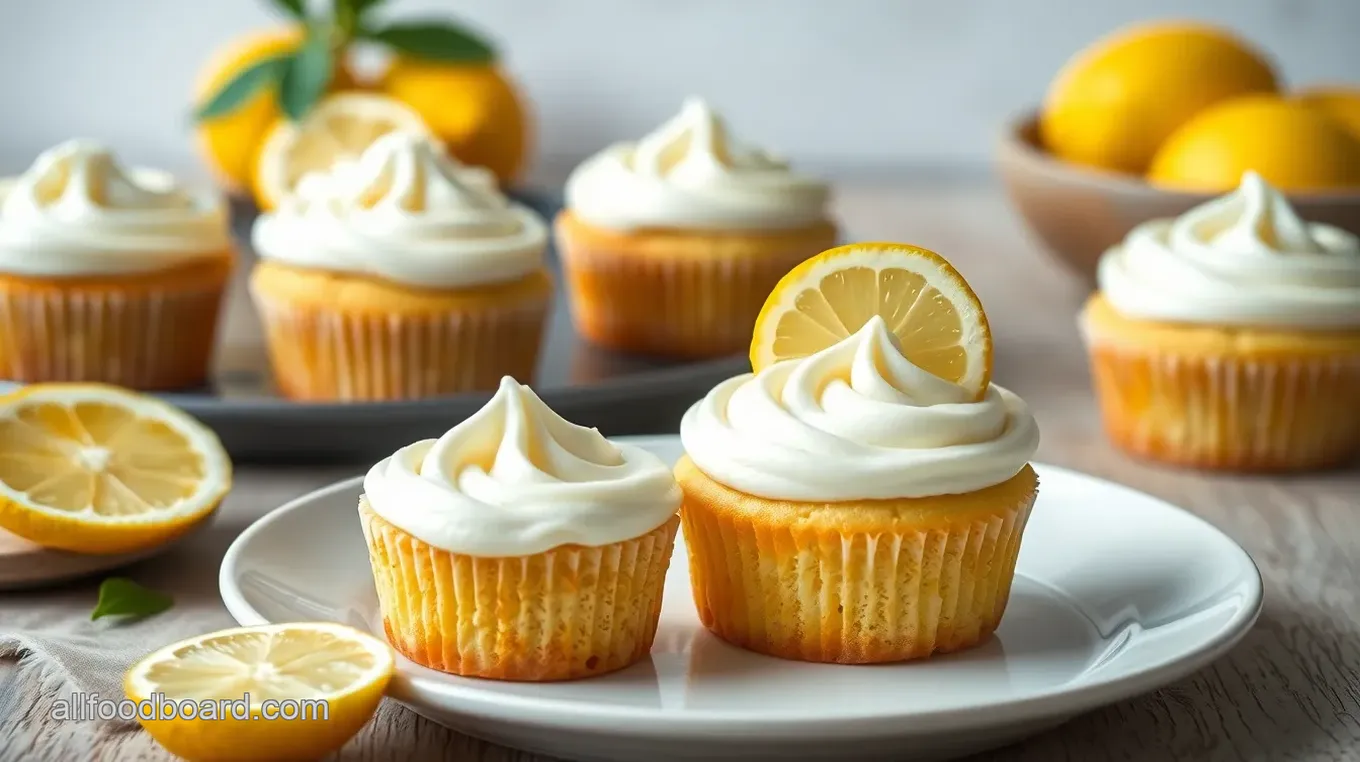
x: 853, y: 85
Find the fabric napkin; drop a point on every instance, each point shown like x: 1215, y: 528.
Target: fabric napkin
x: 50, y: 649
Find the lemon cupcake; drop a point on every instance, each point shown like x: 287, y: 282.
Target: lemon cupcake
x: 670, y: 244
x: 519, y: 546
x: 108, y: 274
x: 398, y: 276
x: 850, y: 505
x: 1230, y: 337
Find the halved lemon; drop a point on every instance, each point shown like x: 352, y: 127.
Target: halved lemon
x: 341, y: 126
x: 99, y: 469
x: 269, y: 692
x: 937, y: 319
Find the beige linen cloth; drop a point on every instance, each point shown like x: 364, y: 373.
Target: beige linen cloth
x: 49, y: 648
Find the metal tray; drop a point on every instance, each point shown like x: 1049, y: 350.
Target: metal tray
x: 617, y: 393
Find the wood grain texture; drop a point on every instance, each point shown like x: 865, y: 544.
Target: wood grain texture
x: 1290, y: 691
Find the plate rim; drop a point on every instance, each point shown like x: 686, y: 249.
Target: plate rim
x: 1068, y: 699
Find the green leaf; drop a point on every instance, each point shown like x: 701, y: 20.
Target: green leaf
x: 240, y: 88
x: 294, y: 8
x: 306, y: 76
x: 123, y: 597
x: 359, y: 7
x: 434, y: 41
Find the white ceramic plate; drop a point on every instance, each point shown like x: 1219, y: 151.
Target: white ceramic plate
x: 24, y: 565
x: 1116, y: 593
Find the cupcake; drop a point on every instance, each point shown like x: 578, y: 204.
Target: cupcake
x: 849, y: 506
x: 398, y: 276
x: 1229, y: 338
x: 108, y: 274
x: 670, y: 244
x: 519, y: 546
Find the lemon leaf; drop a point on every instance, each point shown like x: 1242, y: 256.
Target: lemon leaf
x: 239, y: 89
x: 294, y: 8
x: 434, y: 41
x: 119, y: 596
x: 305, y: 77
x: 357, y: 7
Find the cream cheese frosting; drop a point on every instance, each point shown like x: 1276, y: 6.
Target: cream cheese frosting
x: 856, y: 421
x: 1245, y: 259
x: 690, y: 174
x: 406, y: 212
x: 516, y: 479
x: 77, y: 211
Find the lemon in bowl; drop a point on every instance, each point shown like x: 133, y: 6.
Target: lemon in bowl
x: 1294, y: 146
x: 1114, y: 103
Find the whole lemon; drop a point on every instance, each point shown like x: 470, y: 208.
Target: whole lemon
x: 1293, y: 146
x: 1114, y: 103
x: 1342, y: 103
x: 228, y: 142
x: 473, y: 108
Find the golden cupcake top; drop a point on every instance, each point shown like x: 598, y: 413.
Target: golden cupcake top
x: 78, y: 211
x: 406, y: 212
x: 691, y: 174
x: 515, y: 478
x: 872, y: 381
x: 1245, y: 258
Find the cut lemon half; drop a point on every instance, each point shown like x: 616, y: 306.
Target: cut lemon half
x: 98, y: 469
x: 340, y: 127
x: 270, y: 692
x: 926, y: 304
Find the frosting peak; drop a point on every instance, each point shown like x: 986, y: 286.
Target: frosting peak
x: 407, y: 212
x: 1243, y: 259
x: 80, y: 177
x: 694, y: 145
x: 690, y: 173
x: 856, y: 421
x: 516, y: 479
x: 77, y: 211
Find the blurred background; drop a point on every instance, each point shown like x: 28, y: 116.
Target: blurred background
x: 850, y: 87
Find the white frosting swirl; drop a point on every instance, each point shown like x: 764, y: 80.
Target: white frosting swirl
x: 857, y: 421
x: 689, y: 174
x: 76, y: 211
x: 1243, y: 259
x: 407, y: 212
x: 516, y: 479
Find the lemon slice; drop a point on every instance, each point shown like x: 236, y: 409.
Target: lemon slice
x: 98, y: 469
x: 270, y: 692
x: 929, y: 307
x: 339, y: 127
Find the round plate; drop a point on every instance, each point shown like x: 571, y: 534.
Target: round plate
x: 1116, y: 593
x: 24, y: 565
x: 614, y: 392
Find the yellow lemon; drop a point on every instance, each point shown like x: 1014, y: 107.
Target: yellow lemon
x: 474, y: 108
x: 229, y: 142
x: 1341, y: 103
x: 270, y: 692
x: 99, y: 469
x: 341, y: 126
x: 928, y: 306
x: 1114, y: 103
x: 1293, y: 146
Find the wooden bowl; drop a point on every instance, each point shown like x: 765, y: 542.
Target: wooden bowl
x: 1079, y: 212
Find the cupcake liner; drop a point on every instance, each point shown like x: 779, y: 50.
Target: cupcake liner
x: 148, y: 336
x: 1247, y: 413
x: 567, y: 613
x: 808, y: 591
x: 677, y: 296
x: 320, y: 354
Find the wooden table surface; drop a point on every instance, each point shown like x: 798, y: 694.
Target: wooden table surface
x: 1289, y: 691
